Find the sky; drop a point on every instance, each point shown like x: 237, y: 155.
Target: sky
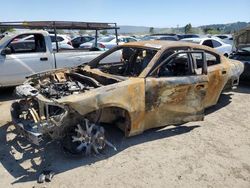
x: 151, y: 13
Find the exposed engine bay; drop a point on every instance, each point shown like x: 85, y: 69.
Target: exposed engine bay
x: 63, y: 83
x: 39, y: 113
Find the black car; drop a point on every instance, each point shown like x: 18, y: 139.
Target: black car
x: 77, y: 41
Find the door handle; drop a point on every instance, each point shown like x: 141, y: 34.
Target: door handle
x: 223, y: 72
x: 43, y: 59
x: 200, y: 86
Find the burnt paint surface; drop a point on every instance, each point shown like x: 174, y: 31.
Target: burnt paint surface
x: 174, y: 100
x: 216, y: 83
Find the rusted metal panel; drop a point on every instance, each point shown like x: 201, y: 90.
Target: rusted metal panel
x: 128, y: 95
x: 174, y: 101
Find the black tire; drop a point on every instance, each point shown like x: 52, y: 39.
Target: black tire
x: 70, y: 146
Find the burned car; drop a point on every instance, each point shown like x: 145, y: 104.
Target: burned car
x: 242, y: 51
x: 135, y: 86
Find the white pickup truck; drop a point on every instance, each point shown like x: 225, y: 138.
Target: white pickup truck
x: 21, y: 58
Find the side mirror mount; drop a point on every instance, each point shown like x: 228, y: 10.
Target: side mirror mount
x: 6, y: 51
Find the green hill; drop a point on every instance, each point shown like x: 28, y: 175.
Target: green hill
x: 217, y: 28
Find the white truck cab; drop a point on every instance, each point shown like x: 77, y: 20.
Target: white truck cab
x: 21, y: 58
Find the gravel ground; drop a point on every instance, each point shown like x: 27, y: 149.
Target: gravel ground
x: 211, y: 153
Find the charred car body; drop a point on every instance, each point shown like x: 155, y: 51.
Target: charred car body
x: 150, y: 84
x: 242, y: 51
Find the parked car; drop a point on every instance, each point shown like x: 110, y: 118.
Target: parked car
x: 107, y: 42
x: 20, y: 58
x: 223, y: 36
x: 77, y: 41
x: 64, y: 42
x: 242, y: 51
x: 227, y: 38
x: 91, y: 44
x: 111, y: 41
x: 218, y: 45
x: 148, y: 84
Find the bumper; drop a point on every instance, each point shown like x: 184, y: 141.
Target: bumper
x: 30, y: 130
x: 27, y: 132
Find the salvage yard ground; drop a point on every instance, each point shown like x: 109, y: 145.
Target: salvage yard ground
x: 212, y: 153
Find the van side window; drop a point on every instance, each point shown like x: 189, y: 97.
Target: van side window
x: 27, y: 44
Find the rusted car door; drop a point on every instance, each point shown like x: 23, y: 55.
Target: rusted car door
x: 217, y: 72
x: 174, y: 98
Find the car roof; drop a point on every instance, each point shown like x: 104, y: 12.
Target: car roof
x: 29, y: 32
x: 163, y: 45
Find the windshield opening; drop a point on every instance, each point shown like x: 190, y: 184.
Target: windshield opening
x: 125, y: 61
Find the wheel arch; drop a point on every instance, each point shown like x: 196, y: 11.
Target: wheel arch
x: 112, y: 114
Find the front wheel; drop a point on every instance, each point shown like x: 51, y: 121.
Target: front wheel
x: 84, y: 138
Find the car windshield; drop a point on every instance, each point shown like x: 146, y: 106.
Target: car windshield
x: 106, y: 39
